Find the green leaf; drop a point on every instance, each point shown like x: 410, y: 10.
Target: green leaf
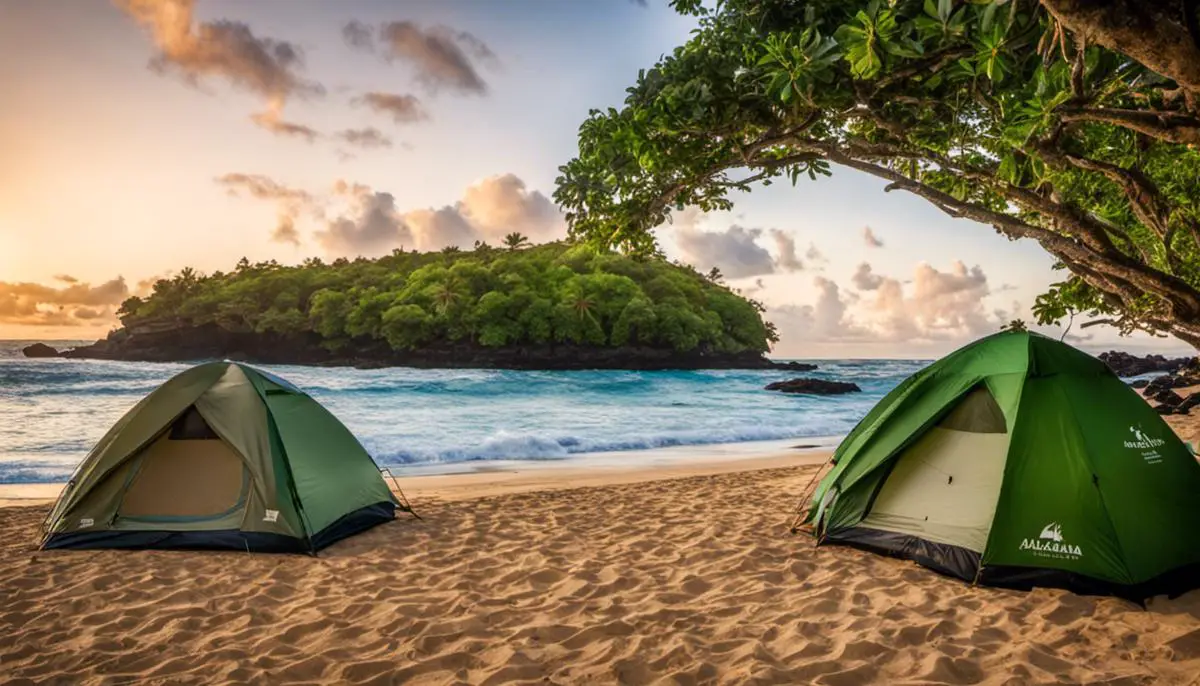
x: 988, y: 18
x: 943, y: 10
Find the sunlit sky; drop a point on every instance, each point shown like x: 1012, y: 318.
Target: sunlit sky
x: 120, y: 121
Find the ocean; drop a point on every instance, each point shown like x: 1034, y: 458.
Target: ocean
x: 428, y: 421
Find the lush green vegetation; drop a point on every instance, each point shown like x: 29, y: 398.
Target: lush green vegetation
x: 554, y: 293
x: 999, y: 111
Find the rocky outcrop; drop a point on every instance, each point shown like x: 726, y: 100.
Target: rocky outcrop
x: 1162, y: 390
x: 39, y: 350
x: 1124, y: 364
x: 796, y: 366
x: 813, y: 386
x: 1169, y: 381
x: 179, y: 344
x: 1167, y: 397
x: 1171, y: 402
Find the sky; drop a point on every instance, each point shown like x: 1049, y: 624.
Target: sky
x: 144, y: 136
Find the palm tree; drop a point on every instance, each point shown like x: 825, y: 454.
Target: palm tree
x: 451, y: 249
x: 582, y: 306
x: 516, y: 241
x: 446, y: 296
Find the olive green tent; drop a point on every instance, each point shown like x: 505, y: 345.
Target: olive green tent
x: 222, y: 456
x: 1019, y: 461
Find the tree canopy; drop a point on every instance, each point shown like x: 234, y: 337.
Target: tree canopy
x: 547, y: 294
x: 999, y: 111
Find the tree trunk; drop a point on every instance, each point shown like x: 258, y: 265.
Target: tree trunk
x: 1160, y: 34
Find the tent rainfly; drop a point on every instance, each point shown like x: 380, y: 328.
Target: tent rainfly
x: 222, y: 456
x: 1019, y: 461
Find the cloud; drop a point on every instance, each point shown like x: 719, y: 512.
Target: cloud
x: 290, y: 201
x: 271, y: 120
x: 403, y: 109
x: 826, y: 320
x: 935, y: 306
x: 489, y: 209
x: 870, y: 238
x: 220, y: 49
x: 78, y: 303
x: 735, y: 251
x: 501, y: 204
x: 440, y: 56
x: 86, y: 313
x: 285, y: 231
x: 373, y: 227
x: 145, y: 286
x: 864, y: 279
x: 434, y: 229
x: 758, y: 286
x: 65, y: 278
x: 358, y: 35
x: 369, y: 138
x: 939, y: 305
x: 785, y: 245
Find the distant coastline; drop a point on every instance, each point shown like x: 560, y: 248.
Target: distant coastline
x: 186, y: 343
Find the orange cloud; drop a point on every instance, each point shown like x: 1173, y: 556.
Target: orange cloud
x: 34, y: 304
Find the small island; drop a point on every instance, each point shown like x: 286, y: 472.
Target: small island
x: 552, y: 306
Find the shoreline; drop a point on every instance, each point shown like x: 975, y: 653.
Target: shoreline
x: 448, y: 482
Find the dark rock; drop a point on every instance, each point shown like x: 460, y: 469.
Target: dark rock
x: 1188, y: 403
x: 1168, y: 397
x: 1124, y: 364
x: 40, y: 350
x: 1161, y: 383
x: 796, y: 366
x: 1140, y: 383
x: 814, y: 386
x: 1164, y: 409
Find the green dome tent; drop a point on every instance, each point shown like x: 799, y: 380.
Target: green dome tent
x: 1019, y: 461
x: 222, y: 456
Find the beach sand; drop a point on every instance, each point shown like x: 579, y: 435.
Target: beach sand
x: 656, y: 577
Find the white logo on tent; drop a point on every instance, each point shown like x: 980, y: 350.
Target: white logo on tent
x: 1050, y: 543
x: 86, y: 522
x: 1145, y: 443
x: 271, y: 516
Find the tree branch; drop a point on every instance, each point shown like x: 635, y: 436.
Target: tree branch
x: 926, y: 66
x: 1139, y: 277
x: 1149, y: 31
x: 1171, y: 127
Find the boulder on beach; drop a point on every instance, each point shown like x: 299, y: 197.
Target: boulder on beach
x: 1168, y: 382
x: 813, y: 386
x: 1188, y: 403
x: 40, y: 350
x: 1167, y: 397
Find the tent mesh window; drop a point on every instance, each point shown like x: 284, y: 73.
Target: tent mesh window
x: 977, y: 413
x: 192, y: 427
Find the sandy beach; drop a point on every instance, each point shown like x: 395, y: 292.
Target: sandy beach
x: 671, y: 575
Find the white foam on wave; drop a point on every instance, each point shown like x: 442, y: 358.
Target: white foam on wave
x: 508, y: 445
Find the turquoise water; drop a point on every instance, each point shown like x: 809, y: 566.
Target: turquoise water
x: 52, y: 411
